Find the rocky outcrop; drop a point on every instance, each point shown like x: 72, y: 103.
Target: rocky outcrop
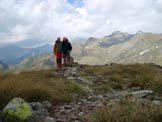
x: 18, y: 110
x: 39, y: 113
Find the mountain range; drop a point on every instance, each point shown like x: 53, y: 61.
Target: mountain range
x: 118, y: 47
x: 13, y: 54
x: 122, y: 47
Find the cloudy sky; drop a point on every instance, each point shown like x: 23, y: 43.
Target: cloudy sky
x: 47, y: 19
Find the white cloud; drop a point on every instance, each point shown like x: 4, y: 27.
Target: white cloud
x: 82, y: 12
x: 47, y: 19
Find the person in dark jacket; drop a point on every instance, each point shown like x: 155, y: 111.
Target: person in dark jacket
x: 57, y: 50
x: 66, y: 49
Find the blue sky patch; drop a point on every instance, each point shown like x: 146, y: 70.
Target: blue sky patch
x: 71, y: 1
x: 76, y: 2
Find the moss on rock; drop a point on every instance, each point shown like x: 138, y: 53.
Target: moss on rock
x: 17, y: 110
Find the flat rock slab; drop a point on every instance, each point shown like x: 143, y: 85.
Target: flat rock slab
x: 142, y: 93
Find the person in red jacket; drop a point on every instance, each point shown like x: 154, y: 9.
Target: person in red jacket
x: 57, y: 50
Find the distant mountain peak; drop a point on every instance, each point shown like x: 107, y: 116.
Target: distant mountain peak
x: 119, y: 34
x: 140, y: 32
x: 91, y: 39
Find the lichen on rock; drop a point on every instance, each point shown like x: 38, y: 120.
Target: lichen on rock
x: 17, y: 110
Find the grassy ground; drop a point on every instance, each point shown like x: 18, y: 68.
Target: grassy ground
x: 127, y: 111
x: 38, y: 86
x: 118, y: 77
x: 48, y: 85
x: 144, y: 76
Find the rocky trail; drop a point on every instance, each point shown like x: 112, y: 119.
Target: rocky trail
x: 76, y: 111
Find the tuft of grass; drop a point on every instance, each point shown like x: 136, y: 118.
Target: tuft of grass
x: 127, y: 111
x: 38, y: 86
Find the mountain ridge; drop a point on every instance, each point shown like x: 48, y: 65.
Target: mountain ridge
x: 13, y: 54
x: 118, y: 47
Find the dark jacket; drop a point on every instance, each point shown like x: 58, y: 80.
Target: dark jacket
x: 66, y: 47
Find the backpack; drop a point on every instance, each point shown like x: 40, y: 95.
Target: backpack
x: 59, y: 47
x: 71, y: 60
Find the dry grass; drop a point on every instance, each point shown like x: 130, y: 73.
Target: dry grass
x: 127, y: 111
x: 37, y: 86
x: 48, y: 85
x: 145, y: 76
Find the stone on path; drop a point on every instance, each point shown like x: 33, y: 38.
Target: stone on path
x: 84, y: 81
x: 47, y: 104
x: 39, y: 112
x: 157, y: 102
x: 142, y: 93
x: 50, y: 119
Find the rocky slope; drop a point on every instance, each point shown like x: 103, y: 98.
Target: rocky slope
x: 45, y: 61
x: 123, y: 48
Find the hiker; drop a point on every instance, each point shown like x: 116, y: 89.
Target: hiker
x: 58, y: 52
x: 66, y: 48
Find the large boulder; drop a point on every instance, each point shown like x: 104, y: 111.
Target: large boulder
x: 17, y: 110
